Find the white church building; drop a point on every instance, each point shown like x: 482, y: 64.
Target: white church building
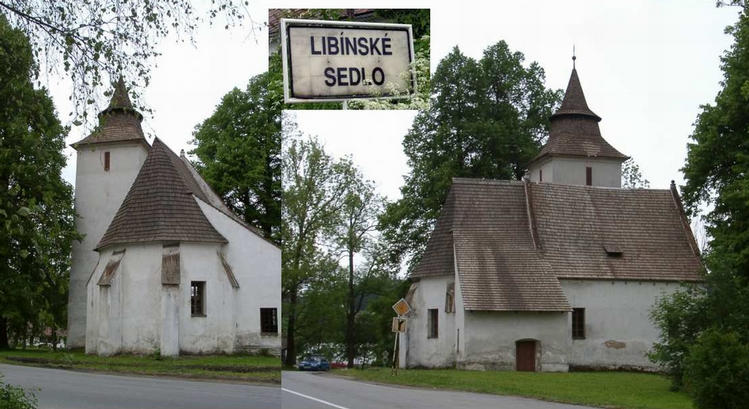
x: 164, y: 265
x: 554, y: 273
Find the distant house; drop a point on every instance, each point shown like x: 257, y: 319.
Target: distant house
x: 551, y: 273
x: 164, y: 265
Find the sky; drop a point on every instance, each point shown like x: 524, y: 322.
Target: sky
x: 645, y: 67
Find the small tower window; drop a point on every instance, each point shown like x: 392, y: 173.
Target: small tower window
x: 106, y: 161
x: 197, y: 298
x: 432, y: 326
x: 578, y: 323
x: 589, y: 176
x: 540, y: 175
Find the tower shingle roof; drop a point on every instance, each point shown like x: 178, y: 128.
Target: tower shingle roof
x: 119, y: 122
x: 574, y: 128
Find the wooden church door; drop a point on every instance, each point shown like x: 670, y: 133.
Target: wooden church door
x: 525, y: 356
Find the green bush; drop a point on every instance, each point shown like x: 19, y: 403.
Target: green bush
x: 14, y: 397
x: 716, y: 371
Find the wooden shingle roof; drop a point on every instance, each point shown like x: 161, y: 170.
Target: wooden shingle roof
x: 513, y: 242
x: 161, y: 205
x: 119, y: 122
x: 574, y: 128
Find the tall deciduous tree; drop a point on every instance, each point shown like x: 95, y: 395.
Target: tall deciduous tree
x: 313, y: 192
x: 356, y: 225
x: 717, y: 175
x: 487, y: 119
x: 36, y: 206
x: 93, y: 41
x: 239, y: 152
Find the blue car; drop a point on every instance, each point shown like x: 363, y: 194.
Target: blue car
x: 314, y: 363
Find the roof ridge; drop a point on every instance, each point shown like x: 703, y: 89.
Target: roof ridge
x: 159, y: 206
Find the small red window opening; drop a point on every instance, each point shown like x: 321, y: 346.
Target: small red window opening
x: 540, y: 175
x: 589, y: 176
x: 106, y: 161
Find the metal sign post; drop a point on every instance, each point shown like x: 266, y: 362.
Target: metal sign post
x: 398, y: 326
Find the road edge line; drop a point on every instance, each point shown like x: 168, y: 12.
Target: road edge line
x: 314, y: 399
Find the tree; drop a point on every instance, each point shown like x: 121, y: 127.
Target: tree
x: 717, y: 176
x: 487, y: 119
x: 357, y: 221
x: 36, y: 204
x: 632, y: 177
x: 239, y: 152
x: 94, y: 41
x: 313, y: 191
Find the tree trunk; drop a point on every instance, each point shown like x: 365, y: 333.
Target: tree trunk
x: 350, y: 314
x: 4, y: 333
x: 290, y: 328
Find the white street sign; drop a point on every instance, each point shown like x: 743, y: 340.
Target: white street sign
x: 342, y: 60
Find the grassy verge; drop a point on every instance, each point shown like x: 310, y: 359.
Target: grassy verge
x: 251, y: 368
x: 603, y: 389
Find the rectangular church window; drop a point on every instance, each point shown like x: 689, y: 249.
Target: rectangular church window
x: 589, y: 176
x: 432, y: 324
x: 197, y: 298
x: 540, y: 175
x: 268, y: 321
x: 106, y: 161
x: 578, y: 323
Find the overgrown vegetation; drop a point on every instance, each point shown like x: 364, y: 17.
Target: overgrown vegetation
x: 705, y: 332
x: 14, y: 397
x: 604, y: 389
x: 252, y: 368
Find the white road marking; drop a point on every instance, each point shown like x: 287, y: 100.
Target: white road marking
x: 314, y: 399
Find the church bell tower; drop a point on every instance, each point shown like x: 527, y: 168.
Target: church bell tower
x: 107, y: 162
x: 576, y: 153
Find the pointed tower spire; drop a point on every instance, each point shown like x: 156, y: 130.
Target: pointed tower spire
x: 574, y: 99
x: 119, y: 122
x: 574, y: 130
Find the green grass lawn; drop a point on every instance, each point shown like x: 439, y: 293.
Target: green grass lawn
x: 603, y: 389
x: 249, y: 368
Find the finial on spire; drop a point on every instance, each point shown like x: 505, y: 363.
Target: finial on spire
x: 573, y: 56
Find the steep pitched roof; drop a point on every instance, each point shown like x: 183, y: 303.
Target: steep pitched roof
x: 119, y: 122
x: 511, y: 244
x: 160, y: 205
x: 574, y: 128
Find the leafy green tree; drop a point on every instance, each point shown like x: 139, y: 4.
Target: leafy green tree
x: 487, y: 119
x: 36, y: 206
x: 717, y: 371
x: 632, y: 176
x: 313, y: 191
x: 356, y: 225
x: 717, y: 177
x: 94, y: 41
x: 239, y: 152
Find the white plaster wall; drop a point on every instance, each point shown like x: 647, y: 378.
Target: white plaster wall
x: 618, y: 329
x: 548, y: 171
x: 571, y: 171
x: 431, y: 352
x: 216, y: 331
x: 98, y: 195
x: 491, y: 336
x: 257, y: 266
x: 127, y: 316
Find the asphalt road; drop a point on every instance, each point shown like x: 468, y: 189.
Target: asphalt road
x: 60, y: 389
x: 309, y: 390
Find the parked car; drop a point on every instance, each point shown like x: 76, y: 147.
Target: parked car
x: 314, y: 363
